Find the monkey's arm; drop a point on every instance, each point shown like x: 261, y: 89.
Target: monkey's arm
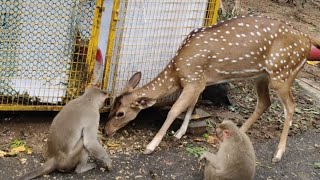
x: 95, y: 149
x: 211, y: 158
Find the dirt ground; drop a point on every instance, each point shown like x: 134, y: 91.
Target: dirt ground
x: 174, y: 159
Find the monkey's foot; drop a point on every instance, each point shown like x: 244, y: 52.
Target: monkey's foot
x: 83, y: 168
x: 147, y: 151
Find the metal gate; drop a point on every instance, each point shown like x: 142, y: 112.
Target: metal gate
x: 144, y: 36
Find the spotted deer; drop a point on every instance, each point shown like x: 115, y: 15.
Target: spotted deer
x: 265, y: 49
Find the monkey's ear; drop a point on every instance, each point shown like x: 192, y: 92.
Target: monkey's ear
x: 133, y: 81
x: 143, y: 103
x: 226, y: 134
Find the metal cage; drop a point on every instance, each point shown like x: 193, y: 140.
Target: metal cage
x: 48, y: 47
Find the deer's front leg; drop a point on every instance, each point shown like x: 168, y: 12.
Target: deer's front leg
x: 184, y: 126
x: 189, y: 94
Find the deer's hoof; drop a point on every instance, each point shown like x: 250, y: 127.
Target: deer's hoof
x: 275, y: 159
x: 147, y: 151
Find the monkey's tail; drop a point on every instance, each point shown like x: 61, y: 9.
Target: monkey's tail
x: 46, y: 168
x: 315, y: 49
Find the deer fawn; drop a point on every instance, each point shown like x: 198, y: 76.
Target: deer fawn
x: 268, y: 50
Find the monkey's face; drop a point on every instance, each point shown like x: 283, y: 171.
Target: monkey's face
x: 219, y: 133
x: 125, y: 109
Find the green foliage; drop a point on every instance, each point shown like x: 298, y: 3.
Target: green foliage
x: 16, y: 143
x: 195, y: 150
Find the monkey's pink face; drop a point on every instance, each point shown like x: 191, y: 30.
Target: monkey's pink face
x: 222, y: 134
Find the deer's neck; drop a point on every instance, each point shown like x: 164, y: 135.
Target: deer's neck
x: 163, y: 85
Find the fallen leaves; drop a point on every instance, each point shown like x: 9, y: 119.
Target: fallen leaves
x: 17, y: 146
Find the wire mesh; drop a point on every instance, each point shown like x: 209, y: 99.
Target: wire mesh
x: 43, y: 49
x: 147, y: 35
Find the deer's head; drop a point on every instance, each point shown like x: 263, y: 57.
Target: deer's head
x: 127, y: 106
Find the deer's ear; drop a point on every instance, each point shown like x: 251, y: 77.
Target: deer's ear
x: 143, y: 103
x: 133, y: 81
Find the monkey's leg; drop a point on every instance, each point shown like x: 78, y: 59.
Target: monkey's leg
x: 263, y: 101
x: 186, y: 121
x: 94, y: 148
x: 83, y: 165
x: 284, y: 93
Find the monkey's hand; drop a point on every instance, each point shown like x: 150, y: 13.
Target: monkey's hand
x: 107, y: 163
x: 203, y: 156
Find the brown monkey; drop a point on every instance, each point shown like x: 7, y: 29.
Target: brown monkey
x: 235, y: 159
x: 73, y: 136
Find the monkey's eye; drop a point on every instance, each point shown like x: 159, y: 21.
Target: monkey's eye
x: 120, y: 115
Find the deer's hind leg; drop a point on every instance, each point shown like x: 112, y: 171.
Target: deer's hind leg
x: 284, y: 93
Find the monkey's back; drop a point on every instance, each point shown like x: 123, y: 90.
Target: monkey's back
x: 240, y: 160
x: 66, y: 128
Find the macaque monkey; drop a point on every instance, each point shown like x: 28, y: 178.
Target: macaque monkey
x: 73, y: 136
x: 235, y: 159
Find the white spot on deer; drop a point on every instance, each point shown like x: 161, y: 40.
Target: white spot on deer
x: 234, y: 61
x: 257, y: 41
x: 240, y: 24
x: 237, y: 44
x: 222, y: 48
x: 220, y: 60
x: 203, y: 55
x: 227, y: 32
x: 226, y: 58
x: 260, y: 49
x: 197, y: 44
x: 188, y: 64
x: 302, y: 49
x: 272, y: 24
x: 224, y: 40
x: 214, y: 56
x: 240, y: 58
x: 216, y: 40
x: 233, y: 28
x: 230, y: 44
x: 265, y: 30
x: 196, y: 30
x: 243, y: 35
x: 211, y: 39
x: 256, y: 26
x: 247, y: 55
x: 218, y: 30
x: 238, y: 35
x: 177, y: 69
x: 269, y: 42
x: 248, y: 25
x: 252, y: 33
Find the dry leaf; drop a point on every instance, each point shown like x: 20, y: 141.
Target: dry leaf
x: 213, y: 140
x: 199, y: 140
x: 23, y: 160
x: 29, y: 151
x: 18, y: 149
x: 2, y: 153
